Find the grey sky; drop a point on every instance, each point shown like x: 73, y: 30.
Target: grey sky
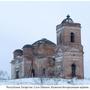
x: 26, y: 22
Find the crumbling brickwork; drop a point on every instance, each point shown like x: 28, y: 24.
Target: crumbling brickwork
x: 46, y: 59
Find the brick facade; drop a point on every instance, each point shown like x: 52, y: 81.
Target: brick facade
x: 46, y: 59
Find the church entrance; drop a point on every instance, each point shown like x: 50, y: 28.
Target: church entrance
x: 73, y: 68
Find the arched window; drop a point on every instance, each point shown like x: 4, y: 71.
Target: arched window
x: 73, y: 67
x: 53, y: 61
x: 60, y: 38
x: 33, y: 73
x: 44, y: 71
x: 72, y: 37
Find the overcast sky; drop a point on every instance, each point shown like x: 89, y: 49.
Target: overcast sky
x: 26, y: 22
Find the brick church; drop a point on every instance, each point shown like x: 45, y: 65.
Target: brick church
x: 46, y: 59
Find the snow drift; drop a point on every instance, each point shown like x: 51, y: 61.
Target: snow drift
x: 45, y: 81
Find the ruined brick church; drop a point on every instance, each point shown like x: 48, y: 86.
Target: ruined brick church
x: 46, y: 59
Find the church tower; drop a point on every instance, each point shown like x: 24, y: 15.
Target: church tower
x: 69, y: 49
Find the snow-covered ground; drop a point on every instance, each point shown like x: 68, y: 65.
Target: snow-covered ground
x: 45, y: 81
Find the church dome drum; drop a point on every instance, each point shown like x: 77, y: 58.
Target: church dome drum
x: 17, y: 52
x: 28, y: 50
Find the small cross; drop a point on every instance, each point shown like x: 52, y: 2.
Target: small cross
x: 68, y: 16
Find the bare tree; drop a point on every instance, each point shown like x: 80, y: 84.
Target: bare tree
x: 4, y: 75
